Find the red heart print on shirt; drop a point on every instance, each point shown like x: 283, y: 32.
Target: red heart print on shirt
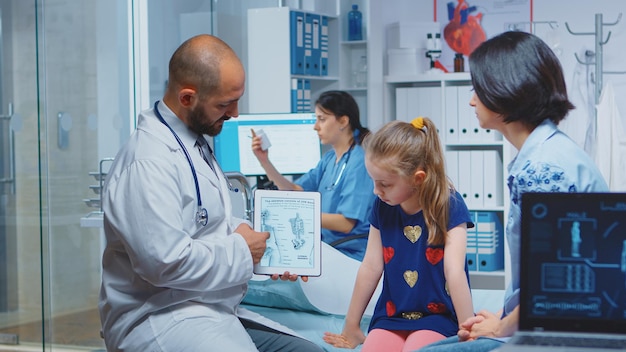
x: 388, y: 253
x: 434, y: 255
x: 436, y: 308
x: 391, y: 309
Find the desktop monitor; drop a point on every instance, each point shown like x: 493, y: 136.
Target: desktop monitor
x: 295, y: 147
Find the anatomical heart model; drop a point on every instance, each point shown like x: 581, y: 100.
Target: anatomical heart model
x: 463, y: 33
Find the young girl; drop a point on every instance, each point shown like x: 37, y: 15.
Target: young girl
x: 417, y: 218
x: 340, y: 176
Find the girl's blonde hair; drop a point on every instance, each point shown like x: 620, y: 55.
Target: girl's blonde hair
x: 405, y: 148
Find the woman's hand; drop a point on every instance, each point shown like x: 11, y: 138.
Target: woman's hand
x: 484, y: 324
x: 347, y: 339
x: 260, y: 154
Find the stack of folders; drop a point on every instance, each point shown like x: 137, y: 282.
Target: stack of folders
x: 461, y: 123
x: 477, y: 175
x: 300, y: 95
x: 309, y: 44
x: 485, y: 242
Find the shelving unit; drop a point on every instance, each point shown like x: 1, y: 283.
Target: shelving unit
x: 444, y: 97
x: 269, y: 66
x: 350, y: 54
x: 269, y: 60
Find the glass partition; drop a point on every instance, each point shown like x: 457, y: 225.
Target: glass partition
x: 65, y: 106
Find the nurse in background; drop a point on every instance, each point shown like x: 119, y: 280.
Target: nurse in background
x: 340, y: 176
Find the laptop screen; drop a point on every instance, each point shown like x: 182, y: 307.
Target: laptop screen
x: 573, y: 262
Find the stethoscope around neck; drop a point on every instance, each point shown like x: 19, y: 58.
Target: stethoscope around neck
x: 202, y: 216
x: 343, y: 167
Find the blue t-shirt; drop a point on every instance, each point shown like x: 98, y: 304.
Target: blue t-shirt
x: 346, y: 188
x: 549, y: 161
x: 413, y: 279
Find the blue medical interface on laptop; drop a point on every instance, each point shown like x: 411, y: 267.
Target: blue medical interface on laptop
x: 574, y: 259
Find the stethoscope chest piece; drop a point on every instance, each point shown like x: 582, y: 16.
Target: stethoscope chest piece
x: 202, y: 216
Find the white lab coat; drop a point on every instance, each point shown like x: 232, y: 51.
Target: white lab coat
x: 157, y: 256
x: 610, y: 151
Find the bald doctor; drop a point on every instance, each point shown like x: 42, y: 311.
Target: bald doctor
x: 177, y: 263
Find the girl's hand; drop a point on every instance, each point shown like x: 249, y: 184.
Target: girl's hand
x: 345, y: 339
x: 484, y: 324
x: 465, y: 328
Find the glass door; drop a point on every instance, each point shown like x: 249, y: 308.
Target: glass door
x: 66, y: 106
x: 20, y: 209
x: 7, y: 196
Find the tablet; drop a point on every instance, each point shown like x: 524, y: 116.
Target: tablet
x: 294, y: 221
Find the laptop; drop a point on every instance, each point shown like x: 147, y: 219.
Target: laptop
x: 573, y: 273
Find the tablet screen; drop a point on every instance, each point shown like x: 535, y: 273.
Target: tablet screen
x: 293, y: 219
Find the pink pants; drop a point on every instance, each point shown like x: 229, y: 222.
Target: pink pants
x: 399, y: 341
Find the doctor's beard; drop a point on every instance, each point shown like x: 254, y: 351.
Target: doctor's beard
x: 198, y: 123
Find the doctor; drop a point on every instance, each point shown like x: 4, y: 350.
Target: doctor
x: 177, y: 263
x: 347, y: 190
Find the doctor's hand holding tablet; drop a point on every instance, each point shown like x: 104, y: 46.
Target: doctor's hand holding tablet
x: 256, y: 241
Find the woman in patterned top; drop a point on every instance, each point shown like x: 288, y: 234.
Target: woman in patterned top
x: 416, y: 216
x: 520, y: 91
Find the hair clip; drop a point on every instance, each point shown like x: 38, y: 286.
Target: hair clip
x: 418, y: 122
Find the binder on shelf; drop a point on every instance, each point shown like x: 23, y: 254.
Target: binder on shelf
x: 324, y: 46
x: 464, y: 125
x: 300, y: 101
x: 401, y: 104
x: 487, y: 134
x: 467, y: 117
x: 315, y: 58
x: 297, y: 42
x: 493, y: 180
x: 452, y: 166
x: 306, y: 101
x: 470, y: 254
x: 294, y: 95
x: 464, y: 183
x: 476, y: 177
x: 490, y: 242
x: 417, y: 100
x: 308, y: 43
x: 470, y: 251
x: 452, y: 114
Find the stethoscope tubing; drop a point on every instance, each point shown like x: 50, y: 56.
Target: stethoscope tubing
x: 343, y: 167
x: 201, y: 216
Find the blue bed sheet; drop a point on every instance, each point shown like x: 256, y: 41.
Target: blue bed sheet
x: 309, y: 325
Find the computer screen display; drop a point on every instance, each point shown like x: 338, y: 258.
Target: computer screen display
x: 295, y: 147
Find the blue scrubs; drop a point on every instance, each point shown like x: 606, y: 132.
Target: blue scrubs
x: 346, y: 189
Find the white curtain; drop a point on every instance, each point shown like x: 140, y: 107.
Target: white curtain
x: 610, y: 151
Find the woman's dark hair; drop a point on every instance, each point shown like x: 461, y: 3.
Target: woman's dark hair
x: 517, y: 75
x: 340, y: 103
